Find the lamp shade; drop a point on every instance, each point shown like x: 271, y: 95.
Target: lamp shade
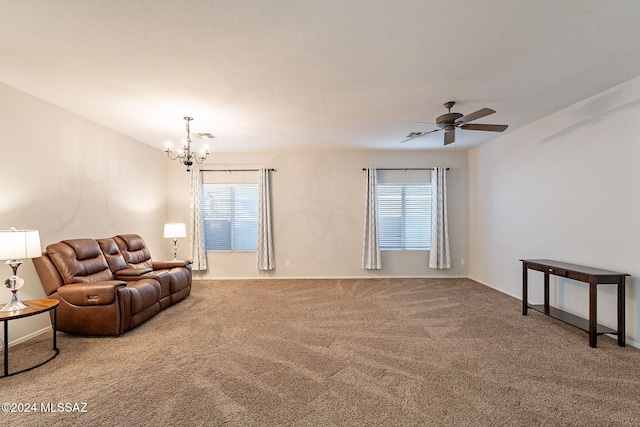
x: 174, y: 230
x: 19, y: 244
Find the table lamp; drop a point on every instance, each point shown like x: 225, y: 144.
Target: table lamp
x: 16, y: 245
x: 175, y: 230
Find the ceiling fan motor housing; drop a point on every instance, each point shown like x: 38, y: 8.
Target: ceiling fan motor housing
x: 448, y: 119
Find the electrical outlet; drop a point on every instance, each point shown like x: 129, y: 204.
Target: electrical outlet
x: 287, y: 262
x: 462, y: 262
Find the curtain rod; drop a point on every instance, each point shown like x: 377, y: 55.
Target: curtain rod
x: 235, y: 170
x: 403, y: 169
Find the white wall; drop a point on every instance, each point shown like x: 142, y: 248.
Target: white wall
x: 71, y: 178
x: 318, y: 213
x: 564, y: 188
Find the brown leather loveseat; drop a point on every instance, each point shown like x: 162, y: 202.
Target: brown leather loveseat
x: 108, y: 286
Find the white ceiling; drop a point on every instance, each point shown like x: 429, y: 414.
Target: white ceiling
x: 310, y: 74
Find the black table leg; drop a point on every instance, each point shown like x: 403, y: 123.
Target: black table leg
x: 6, y: 349
x: 546, y: 293
x: 524, y: 289
x: 54, y: 325
x: 593, y: 313
x: 621, y: 312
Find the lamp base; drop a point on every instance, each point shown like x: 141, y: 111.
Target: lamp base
x: 14, y: 304
x: 175, y: 249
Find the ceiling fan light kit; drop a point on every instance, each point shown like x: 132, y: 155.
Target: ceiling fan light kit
x: 450, y: 121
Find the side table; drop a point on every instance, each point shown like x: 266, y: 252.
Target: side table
x: 36, y: 306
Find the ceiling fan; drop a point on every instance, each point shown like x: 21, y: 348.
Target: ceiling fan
x: 450, y: 121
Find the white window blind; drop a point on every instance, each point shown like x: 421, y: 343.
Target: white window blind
x: 404, y: 216
x: 230, y: 215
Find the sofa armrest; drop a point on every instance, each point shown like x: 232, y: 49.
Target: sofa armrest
x: 87, y: 294
x: 168, y: 265
x: 128, y: 274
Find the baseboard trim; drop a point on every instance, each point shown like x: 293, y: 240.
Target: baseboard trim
x: 28, y: 337
x: 195, y: 279
x: 518, y: 297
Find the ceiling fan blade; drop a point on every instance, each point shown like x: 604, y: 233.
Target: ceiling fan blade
x: 414, y: 135
x: 449, y: 137
x: 474, y: 116
x: 488, y: 128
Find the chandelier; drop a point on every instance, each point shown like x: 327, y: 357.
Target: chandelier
x: 185, y: 155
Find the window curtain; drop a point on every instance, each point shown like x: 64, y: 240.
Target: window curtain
x: 266, y: 260
x: 196, y: 223
x: 370, y: 245
x: 439, y: 256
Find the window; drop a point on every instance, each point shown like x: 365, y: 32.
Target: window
x: 230, y: 214
x: 404, y: 216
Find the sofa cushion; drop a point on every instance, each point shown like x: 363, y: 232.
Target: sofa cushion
x: 134, y: 250
x: 79, y: 261
x: 180, y: 279
x: 112, y: 254
x: 84, y: 248
x: 144, y: 294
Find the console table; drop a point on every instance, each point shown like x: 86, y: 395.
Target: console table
x: 592, y: 276
x: 35, y: 306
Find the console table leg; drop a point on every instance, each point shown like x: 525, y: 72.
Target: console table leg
x: 621, y: 312
x: 593, y: 314
x: 524, y: 289
x: 546, y: 293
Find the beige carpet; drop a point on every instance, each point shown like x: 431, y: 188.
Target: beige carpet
x: 335, y: 353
